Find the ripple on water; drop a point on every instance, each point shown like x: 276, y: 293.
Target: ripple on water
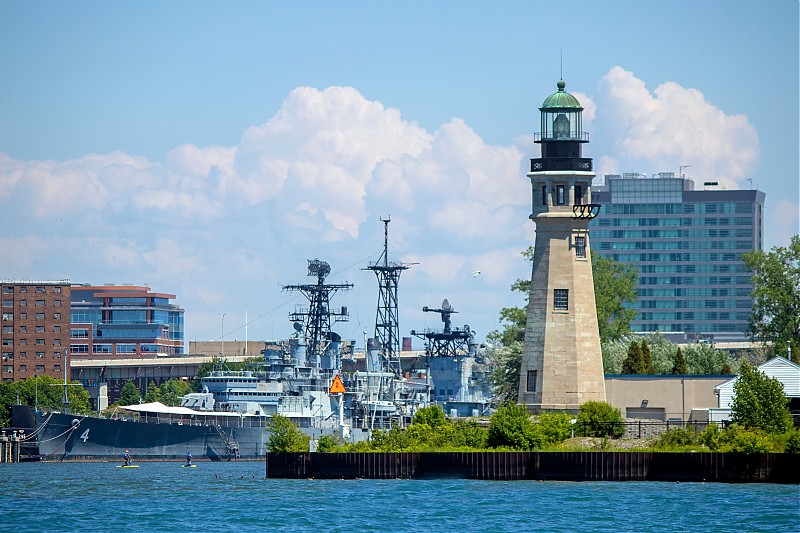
x: 236, y: 497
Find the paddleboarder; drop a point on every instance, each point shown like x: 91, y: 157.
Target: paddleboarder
x: 127, y: 458
x: 188, y: 458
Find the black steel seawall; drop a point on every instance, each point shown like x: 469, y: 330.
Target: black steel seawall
x: 554, y: 466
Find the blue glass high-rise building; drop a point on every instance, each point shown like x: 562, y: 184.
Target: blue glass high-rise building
x: 687, y: 245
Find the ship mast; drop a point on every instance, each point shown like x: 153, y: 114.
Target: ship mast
x: 387, y: 326
x: 318, y: 317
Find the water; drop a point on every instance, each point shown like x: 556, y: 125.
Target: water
x: 98, y: 497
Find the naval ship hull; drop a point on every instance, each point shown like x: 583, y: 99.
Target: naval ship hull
x: 66, y: 437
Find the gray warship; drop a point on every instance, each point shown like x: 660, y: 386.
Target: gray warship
x: 229, y: 418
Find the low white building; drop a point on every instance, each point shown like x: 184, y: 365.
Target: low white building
x: 779, y: 368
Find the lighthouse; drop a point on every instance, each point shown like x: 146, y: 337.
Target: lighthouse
x: 562, y: 366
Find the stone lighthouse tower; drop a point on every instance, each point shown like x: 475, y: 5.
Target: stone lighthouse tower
x: 562, y: 366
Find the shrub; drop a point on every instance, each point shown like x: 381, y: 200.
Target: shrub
x: 511, y: 427
x: 330, y: 443
x: 743, y: 440
x: 599, y: 419
x: 470, y: 434
x: 554, y: 427
x: 793, y: 444
x: 677, y: 438
x: 736, y: 438
x: 710, y: 438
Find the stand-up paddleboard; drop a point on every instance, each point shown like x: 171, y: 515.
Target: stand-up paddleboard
x: 188, y: 466
x: 127, y: 466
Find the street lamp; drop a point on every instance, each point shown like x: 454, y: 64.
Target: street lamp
x: 65, y: 401
x: 222, y: 349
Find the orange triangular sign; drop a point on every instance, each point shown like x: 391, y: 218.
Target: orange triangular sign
x: 337, y: 387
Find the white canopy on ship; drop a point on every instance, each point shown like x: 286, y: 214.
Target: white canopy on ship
x: 160, y: 408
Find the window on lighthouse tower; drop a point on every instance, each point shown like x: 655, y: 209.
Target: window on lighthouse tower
x: 561, y: 127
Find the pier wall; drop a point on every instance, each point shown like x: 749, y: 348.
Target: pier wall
x: 554, y: 466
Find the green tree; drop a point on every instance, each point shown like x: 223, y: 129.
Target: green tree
x: 599, y: 419
x: 153, y: 394
x: 705, y: 359
x: 285, y: 436
x: 634, y: 363
x: 129, y: 395
x: 511, y: 426
x: 647, y: 359
x: 795, y: 355
x: 505, y: 362
x: 43, y: 391
x: 680, y: 364
x: 614, y: 289
x: 700, y: 358
x: 776, y: 293
x: 171, y: 391
x: 433, y: 416
x: 759, y: 402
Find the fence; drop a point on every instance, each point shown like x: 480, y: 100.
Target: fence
x: 633, y: 429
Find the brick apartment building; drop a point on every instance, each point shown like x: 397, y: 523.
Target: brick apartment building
x: 35, y: 328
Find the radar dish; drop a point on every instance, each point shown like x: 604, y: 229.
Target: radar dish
x: 445, y: 304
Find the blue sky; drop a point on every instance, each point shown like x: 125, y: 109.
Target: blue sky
x: 208, y: 149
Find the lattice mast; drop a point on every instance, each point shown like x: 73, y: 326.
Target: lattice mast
x: 387, y: 326
x: 319, y: 316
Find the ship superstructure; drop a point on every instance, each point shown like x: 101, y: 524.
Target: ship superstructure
x: 456, y: 373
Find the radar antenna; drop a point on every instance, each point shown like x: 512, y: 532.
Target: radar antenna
x: 451, y: 342
x: 316, y: 320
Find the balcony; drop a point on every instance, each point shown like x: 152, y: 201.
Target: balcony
x: 572, y: 135
x: 583, y: 164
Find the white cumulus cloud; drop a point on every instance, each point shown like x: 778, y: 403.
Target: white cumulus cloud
x: 675, y: 125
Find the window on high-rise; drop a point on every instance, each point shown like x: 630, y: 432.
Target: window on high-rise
x: 578, y: 194
x: 560, y: 195
x: 544, y: 194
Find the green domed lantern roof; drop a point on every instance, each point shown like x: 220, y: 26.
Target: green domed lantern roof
x: 561, y: 99
x: 561, y: 118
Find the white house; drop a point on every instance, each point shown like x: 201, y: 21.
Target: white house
x: 779, y: 368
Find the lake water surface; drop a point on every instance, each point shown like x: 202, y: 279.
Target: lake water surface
x: 97, y: 497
